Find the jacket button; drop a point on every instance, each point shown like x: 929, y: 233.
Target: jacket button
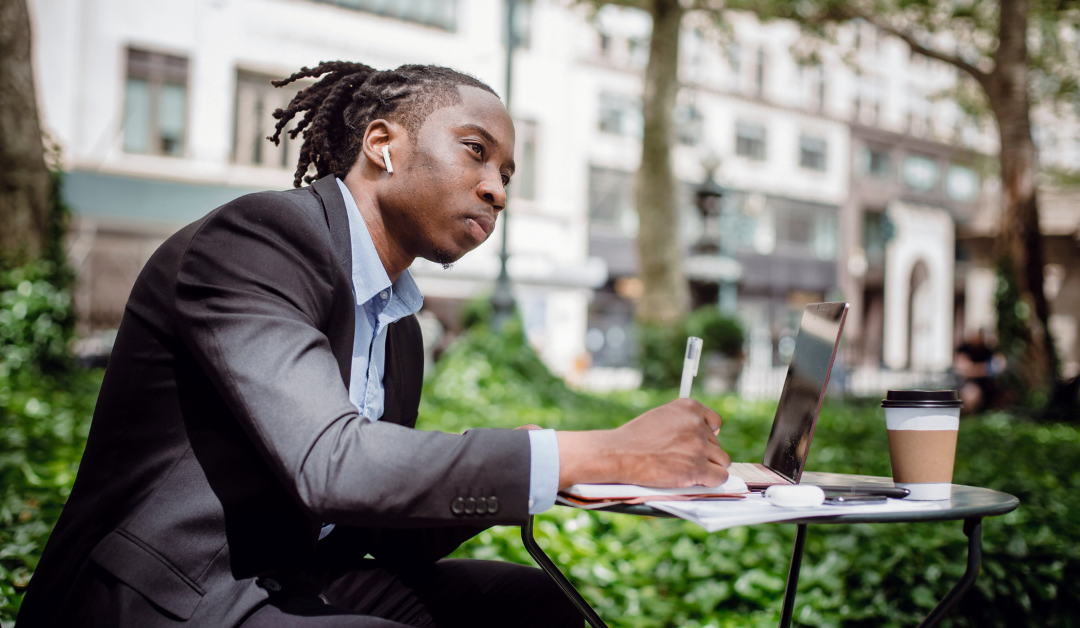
x: 470, y: 505
x: 493, y: 504
x: 481, y: 506
x: 271, y: 585
x: 457, y: 506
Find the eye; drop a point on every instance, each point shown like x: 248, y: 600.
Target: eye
x: 476, y: 147
x: 505, y: 180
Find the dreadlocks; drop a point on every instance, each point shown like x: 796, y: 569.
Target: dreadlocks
x: 339, y: 107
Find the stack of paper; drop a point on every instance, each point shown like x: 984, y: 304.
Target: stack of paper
x: 755, y: 508
x: 591, y: 496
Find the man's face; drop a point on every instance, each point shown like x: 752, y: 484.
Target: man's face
x: 444, y: 197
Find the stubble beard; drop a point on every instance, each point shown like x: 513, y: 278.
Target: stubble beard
x: 443, y: 257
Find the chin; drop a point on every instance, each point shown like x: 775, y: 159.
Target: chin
x: 445, y: 257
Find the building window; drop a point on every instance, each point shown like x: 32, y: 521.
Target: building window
x: 155, y: 103
x: 734, y: 57
x: 689, y: 124
x: 867, y: 106
x: 920, y: 173
x: 438, y: 13
x: 523, y: 183
x: 256, y: 100
x: 620, y: 115
x: 878, y: 229
x: 611, y: 201
x: 877, y: 162
x: 750, y: 140
x: 759, y: 73
x: 639, y: 52
x: 806, y: 230
x: 812, y: 86
x: 812, y: 153
x: 962, y: 184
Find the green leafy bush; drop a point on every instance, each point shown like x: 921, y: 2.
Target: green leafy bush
x: 642, y: 572
x: 45, y: 408
x: 662, y: 346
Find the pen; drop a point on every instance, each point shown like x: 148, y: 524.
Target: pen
x: 884, y: 491
x: 690, y: 365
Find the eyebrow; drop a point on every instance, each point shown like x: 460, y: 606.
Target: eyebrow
x: 490, y: 140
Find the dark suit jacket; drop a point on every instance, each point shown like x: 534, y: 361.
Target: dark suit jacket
x: 224, y: 436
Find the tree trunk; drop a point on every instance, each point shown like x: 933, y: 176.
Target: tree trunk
x: 665, y: 294
x: 24, y: 177
x: 1019, y: 246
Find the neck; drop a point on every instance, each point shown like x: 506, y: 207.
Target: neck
x: 395, y: 259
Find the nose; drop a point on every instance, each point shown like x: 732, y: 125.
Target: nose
x: 492, y: 192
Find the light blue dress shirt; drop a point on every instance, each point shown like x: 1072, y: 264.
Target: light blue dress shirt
x: 379, y: 303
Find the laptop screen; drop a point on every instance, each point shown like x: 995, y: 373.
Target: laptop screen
x: 804, y: 388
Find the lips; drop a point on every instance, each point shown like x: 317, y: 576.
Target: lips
x: 481, y: 226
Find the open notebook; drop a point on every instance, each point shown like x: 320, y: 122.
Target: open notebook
x: 600, y: 495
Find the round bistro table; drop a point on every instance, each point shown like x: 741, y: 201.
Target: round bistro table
x: 968, y: 503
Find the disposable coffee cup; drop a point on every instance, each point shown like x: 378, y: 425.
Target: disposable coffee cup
x: 923, y: 425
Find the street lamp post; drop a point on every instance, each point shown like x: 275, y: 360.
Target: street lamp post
x: 502, y: 299
x: 711, y: 259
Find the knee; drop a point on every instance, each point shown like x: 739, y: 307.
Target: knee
x: 553, y: 606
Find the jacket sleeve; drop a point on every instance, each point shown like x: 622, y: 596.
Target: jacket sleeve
x: 255, y: 287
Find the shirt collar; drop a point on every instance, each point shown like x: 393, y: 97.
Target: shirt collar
x: 368, y: 275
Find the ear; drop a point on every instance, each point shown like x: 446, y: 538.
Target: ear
x: 378, y: 134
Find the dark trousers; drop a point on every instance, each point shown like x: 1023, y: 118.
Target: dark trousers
x: 449, y: 593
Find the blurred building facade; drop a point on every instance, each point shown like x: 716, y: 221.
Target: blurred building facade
x: 841, y: 180
x: 161, y: 108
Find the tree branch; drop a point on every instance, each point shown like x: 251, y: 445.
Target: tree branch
x: 979, y: 75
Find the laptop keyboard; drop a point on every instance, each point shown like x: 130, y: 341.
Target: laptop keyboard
x: 755, y: 474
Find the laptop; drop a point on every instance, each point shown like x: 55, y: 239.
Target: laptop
x: 800, y: 400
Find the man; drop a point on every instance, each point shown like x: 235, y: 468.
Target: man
x: 977, y: 365
x: 251, y: 460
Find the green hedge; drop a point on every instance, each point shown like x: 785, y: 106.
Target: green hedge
x: 661, y: 348
x: 651, y: 572
x: 45, y: 408
x: 644, y: 572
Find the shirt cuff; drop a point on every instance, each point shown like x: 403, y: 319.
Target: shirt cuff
x: 543, y: 470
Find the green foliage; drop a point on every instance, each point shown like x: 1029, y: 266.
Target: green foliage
x: 645, y: 572
x: 658, y: 572
x: 661, y: 347
x: 721, y: 333
x: 45, y: 408
x: 476, y: 311
x: 45, y: 405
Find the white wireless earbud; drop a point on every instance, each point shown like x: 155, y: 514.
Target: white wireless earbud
x: 386, y: 159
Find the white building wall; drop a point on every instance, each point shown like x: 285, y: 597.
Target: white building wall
x: 80, y: 50
x: 926, y: 235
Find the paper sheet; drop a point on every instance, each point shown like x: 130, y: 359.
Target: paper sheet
x: 720, y: 515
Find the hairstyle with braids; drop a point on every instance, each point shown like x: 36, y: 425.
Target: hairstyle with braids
x: 338, y: 108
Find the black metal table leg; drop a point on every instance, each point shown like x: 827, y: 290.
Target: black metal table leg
x: 549, y: 567
x: 793, y: 576
x: 973, y: 530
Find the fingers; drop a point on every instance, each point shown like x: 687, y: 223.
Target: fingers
x: 720, y: 457
x: 715, y: 475
x: 711, y: 418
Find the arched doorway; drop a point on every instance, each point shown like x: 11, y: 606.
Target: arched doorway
x: 920, y: 319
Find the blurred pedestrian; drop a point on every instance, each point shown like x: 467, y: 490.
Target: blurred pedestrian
x: 977, y: 365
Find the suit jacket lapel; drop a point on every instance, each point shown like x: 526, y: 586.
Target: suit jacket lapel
x: 404, y: 367
x: 327, y: 190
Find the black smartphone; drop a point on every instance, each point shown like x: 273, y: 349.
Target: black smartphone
x: 840, y: 499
